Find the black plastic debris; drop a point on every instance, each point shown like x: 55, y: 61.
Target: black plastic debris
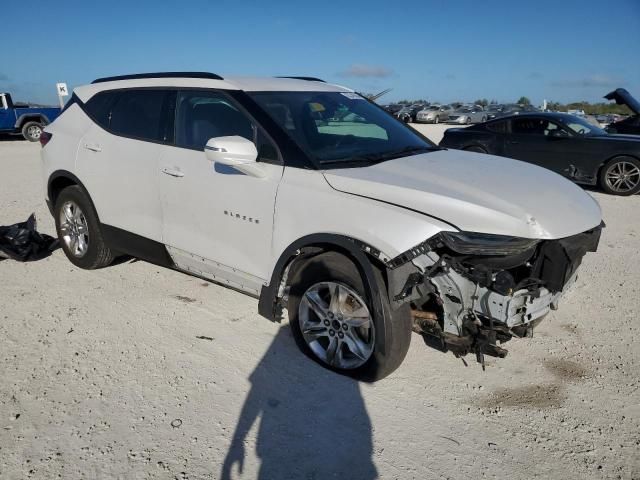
x: 24, y: 243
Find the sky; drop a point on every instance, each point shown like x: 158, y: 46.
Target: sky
x: 443, y: 51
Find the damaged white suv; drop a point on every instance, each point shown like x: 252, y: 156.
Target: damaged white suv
x: 312, y: 198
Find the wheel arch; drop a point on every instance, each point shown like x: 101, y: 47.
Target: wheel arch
x: 61, y: 179
x: 365, y: 258
x: 28, y: 117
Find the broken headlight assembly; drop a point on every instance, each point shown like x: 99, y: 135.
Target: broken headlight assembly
x: 473, y: 243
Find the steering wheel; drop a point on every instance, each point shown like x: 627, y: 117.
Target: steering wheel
x: 582, y: 131
x: 344, y: 140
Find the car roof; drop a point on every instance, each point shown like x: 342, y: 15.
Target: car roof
x: 191, y: 80
x: 551, y: 115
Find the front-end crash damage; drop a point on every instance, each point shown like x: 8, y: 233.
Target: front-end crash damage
x: 470, y: 292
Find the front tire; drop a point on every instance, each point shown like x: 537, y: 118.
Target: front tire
x: 78, y: 230
x: 335, y: 323
x: 31, y: 131
x: 621, y: 176
x: 437, y: 120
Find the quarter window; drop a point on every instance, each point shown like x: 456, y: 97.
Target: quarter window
x: 99, y: 108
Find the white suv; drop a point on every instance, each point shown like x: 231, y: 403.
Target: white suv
x: 313, y: 198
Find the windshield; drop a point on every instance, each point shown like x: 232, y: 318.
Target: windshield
x: 582, y: 127
x: 336, y: 128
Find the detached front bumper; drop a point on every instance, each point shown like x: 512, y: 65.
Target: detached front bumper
x: 469, y: 303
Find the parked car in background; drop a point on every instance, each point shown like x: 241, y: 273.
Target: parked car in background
x: 21, y: 118
x: 566, y: 144
x: 434, y: 114
x: 393, y: 108
x: 363, y: 232
x: 503, y: 110
x: 631, y: 124
x: 577, y: 112
x: 408, y: 113
x: 468, y: 114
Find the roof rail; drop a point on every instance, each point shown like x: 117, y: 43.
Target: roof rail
x: 310, y: 79
x: 207, y: 75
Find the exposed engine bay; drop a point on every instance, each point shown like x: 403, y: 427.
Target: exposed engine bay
x: 471, y: 292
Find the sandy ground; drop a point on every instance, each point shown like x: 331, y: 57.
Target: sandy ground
x: 102, y: 375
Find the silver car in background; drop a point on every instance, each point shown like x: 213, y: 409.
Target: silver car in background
x: 434, y: 114
x: 468, y: 114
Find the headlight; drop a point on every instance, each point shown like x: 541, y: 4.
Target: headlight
x: 472, y: 243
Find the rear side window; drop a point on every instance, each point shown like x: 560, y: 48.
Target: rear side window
x: 99, y: 108
x: 497, y: 127
x: 140, y: 114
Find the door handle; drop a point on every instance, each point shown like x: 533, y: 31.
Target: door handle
x: 93, y: 147
x: 172, y: 172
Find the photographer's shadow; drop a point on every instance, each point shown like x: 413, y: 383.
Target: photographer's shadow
x: 313, y: 423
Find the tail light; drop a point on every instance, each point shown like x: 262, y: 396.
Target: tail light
x: 44, y: 138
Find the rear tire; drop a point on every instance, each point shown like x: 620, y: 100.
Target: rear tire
x: 620, y: 176
x: 78, y: 230
x: 31, y: 131
x: 385, y: 340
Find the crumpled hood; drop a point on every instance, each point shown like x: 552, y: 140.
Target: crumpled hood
x: 476, y: 192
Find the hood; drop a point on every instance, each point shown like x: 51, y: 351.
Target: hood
x: 622, y: 97
x: 476, y: 192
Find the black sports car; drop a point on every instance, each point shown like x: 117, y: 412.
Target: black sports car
x: 630, y: 125
x: 564, y: 143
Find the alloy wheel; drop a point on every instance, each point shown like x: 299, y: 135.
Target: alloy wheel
x: 34, y: 131
x: 74, y: 229
x: 622, y: 177
x: 336, y: 325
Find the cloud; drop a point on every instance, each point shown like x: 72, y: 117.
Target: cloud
x: 361, y: 70
x: 589, y: 81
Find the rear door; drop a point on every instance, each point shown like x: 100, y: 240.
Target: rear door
x: 118, y: 158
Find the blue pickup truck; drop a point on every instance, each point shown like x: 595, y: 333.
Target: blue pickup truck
x: 20, y: 118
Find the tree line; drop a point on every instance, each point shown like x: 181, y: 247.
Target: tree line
x: 600, y: 108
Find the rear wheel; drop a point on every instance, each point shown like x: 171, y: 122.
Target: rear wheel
x: 621, y: 176
x: 79, y: 230
x: 31, y: 131
x: 335, y: 323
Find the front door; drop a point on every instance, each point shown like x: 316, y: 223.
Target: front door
x: 7, y: 117
x: 217, y: 221
x: 546, y: 143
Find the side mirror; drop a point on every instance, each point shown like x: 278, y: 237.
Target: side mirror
x: 236, y: 152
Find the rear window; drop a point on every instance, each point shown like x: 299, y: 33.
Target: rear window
x: 139, y: 114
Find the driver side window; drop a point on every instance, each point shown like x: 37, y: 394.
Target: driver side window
x: 529, y: 126
x: 202, y: 115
